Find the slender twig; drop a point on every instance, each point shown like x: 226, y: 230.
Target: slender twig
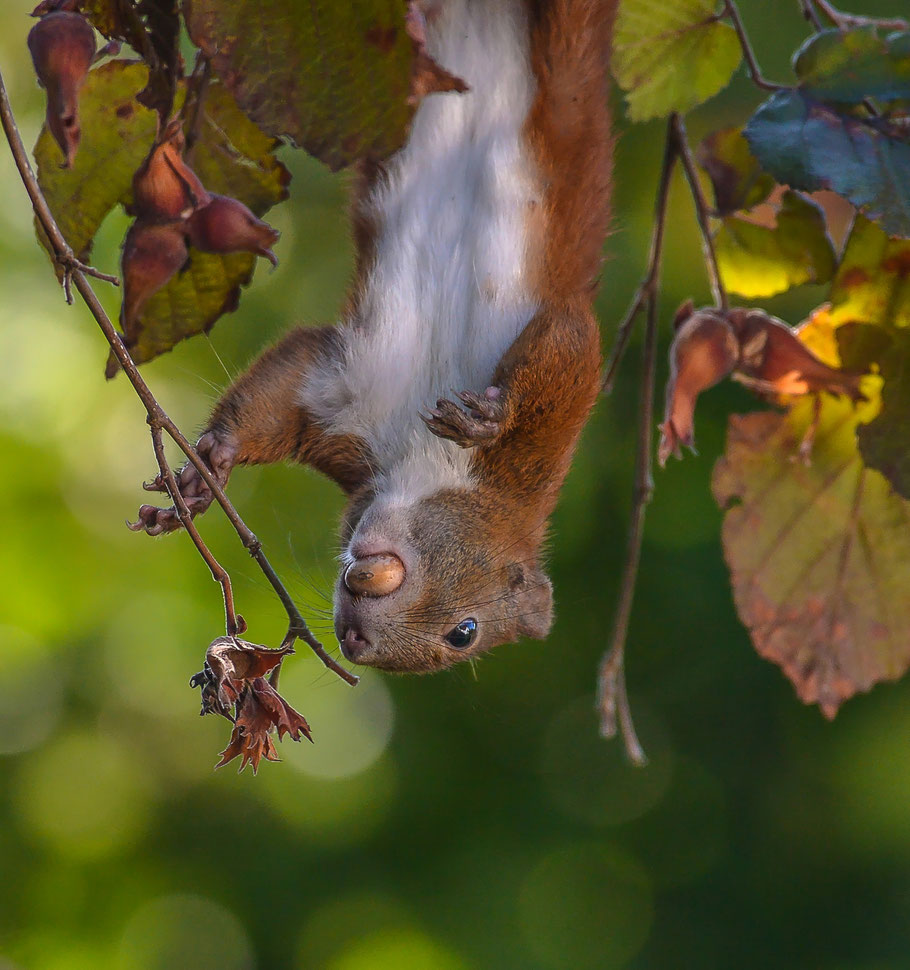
x: 731, y: 11
x: 297, y: 627
x: 195, y: 96
x: 234, y: 624
x: 810, y: 13
x: 846, y: 21
x: 612, y: 697
x: 648, y: 284
x: 701, y: 210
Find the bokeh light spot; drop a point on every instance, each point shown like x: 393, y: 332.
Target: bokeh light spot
x: 184, y: 931
x: 590, y: 780
x: 32, y: 692
x: 586, y: 906
x: 397, y: 949
x: 84, y: 794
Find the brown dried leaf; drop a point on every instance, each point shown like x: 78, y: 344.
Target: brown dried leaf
x: 819, y: 555
x: 427, y: 75
x: 234, y: 675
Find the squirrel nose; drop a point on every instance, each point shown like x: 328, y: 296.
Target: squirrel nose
x: 354, y: 644
x: 376, y: 575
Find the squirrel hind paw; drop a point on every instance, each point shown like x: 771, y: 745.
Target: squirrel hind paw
x: 479, y: 425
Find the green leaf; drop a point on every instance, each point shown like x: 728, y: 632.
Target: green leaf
x: 759, y: 260
x: 872, y: 284
x: 671, y: 55
x: 331, y: 77
x: 819, y: 555
x: 809, y: 145
x: 884, y: 443
x: 850, y: 66
x: 117, y: 133
x: 736, y: 176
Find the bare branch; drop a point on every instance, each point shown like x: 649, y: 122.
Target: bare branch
x: 648, y: 284
x: 684, y: 153
x: 612, y: 697
x: 731, y: 11
x: 297, y: 627
x: 847, y: 21
x: 234, y: 624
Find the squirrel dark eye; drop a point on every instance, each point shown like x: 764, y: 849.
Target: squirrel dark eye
x: 463, y: 635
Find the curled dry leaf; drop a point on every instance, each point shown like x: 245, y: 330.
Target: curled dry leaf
x: 62, y: 45
x: 234, y: 677
x: 755, y: 348
x: 427, y: 75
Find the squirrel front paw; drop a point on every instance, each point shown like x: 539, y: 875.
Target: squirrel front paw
x: 480, y: 424
x: 220, y: 457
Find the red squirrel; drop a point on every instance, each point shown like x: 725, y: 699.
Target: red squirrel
x: 448, y: 401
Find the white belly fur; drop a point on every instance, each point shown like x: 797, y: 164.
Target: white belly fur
x: 448, y: 292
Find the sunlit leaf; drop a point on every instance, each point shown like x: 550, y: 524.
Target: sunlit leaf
x: 758, y: 260
x: 872, y: 284
x: 850, y: 66
x: 819, y: 555
x: 671, y: 55
x: 809, y: 145
x: 331, y: 77
x: 736, y: 176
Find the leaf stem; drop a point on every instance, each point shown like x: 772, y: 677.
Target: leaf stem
x: 846, y: 21
x: 684, y: 152
x: 731, y: 11
x: 297, y: 627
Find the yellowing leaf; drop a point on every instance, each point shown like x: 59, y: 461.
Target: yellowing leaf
x: 671, y: 55
x: 758, y: 260
x: 819, y: 555
x: 117, y: 133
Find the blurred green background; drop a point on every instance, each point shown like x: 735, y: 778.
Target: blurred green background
x: 442, y: 823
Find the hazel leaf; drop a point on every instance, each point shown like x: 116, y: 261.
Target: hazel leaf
x: 810, y: 145
x: 671, y: 55
x: 762, y: 260
x: 819, y: 554
x: 117, y: 132
x: 736, y: 176
x: 849, y: 66
x: 333, y: 78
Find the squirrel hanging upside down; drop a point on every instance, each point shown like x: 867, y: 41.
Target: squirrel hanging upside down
x: 478, y: 252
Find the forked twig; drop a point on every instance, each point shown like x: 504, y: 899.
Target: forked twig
x: 297, y: 627
x: 731, y: 12
x: 846, y: 21
x: 681, y: 144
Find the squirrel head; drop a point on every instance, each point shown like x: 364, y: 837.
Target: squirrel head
x: 427, y: 584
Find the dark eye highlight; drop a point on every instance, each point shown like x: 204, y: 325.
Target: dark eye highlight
x: 463, y: 635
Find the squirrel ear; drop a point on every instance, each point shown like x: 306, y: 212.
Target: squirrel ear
x: 533, y: 601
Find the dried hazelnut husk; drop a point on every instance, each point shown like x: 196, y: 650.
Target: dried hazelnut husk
x: 228, y: 226
x: 62, y: 45
x: 164, y: 186
x: 152, y: 254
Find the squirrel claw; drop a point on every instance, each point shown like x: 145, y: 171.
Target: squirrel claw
x: 219, y: 455
x: 479, y: 425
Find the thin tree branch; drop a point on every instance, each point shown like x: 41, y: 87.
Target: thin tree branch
x: 612, y: 696
x: 234, y: 624
x: 846, y: 21
x: 297, y: 627
x: 701, y: 210
x: 731, y: 11
x: 648, y: 284
x: 810, y: 13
